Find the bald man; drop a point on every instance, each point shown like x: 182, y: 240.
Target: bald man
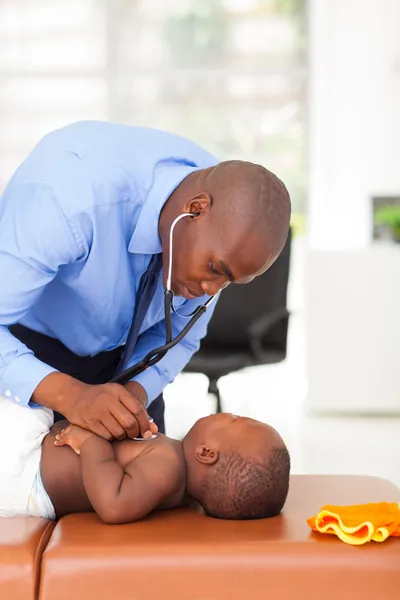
x: 81, y: 220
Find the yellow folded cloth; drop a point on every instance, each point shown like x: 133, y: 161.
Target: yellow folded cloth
x: 360, y: 523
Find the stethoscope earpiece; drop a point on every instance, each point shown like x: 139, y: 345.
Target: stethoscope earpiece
x: 171, y: 232
x: 169, y: 293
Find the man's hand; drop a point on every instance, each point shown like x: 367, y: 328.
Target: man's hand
x: 108, y: 410
x: 74, y: 437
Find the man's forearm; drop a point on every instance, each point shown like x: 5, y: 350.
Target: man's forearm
x: 20, y: 370
x: 55, y: 390
x: 102, y: 476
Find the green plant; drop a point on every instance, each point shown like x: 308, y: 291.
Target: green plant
x: 389, y: 216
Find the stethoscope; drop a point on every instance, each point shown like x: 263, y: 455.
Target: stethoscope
x: 157, y: 354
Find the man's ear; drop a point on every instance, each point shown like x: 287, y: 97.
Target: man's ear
x: 199, y: 205
x: 206, y: 455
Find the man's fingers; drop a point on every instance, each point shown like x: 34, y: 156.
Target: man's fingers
x: 94, y: 422
x: 137, y: 409
x: 99, y: 429
x: 112, y: 425
x: 153, y: 426
x: 126, y: 419
x: 111, y: 412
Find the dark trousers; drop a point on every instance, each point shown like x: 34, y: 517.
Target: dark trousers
x: 89, y: 369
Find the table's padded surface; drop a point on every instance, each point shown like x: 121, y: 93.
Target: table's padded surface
x: 22, y: 541
x: 184, y: 555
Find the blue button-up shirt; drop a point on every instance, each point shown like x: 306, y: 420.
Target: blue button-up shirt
x: 78, y: 227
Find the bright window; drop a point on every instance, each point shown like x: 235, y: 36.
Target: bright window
x: 229, y: 74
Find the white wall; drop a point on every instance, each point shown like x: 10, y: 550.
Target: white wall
x: 352, y: 285
x: 353, y: 330
x: 354, y: 116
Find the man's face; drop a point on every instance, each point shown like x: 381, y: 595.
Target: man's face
x: 206, y: 257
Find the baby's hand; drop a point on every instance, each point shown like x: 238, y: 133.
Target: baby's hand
x: 73, y: 436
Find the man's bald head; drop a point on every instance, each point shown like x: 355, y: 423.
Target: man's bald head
x: 251, y: 195
x: 241, y: 223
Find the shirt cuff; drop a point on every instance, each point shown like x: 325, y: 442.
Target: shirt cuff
x: 22, y: 377
x: 152, y: 382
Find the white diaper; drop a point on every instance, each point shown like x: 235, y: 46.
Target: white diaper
x: 22, y: 430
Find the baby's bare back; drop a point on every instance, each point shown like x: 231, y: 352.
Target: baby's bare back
x: 62, y: 472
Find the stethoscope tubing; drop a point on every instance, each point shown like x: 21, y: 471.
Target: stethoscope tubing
x: 155, y: 355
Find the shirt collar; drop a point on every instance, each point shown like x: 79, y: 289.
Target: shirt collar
x: 145, y: 238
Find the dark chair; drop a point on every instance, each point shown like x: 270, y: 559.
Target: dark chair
x: 249, y: 326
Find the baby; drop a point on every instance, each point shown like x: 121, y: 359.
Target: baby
x: 235, y: 467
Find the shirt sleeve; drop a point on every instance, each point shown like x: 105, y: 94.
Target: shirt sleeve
x: 157, y: 377
x: 35, y: 241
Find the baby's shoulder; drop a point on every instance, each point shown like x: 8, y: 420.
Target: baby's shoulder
x: 162, y: 462
x: 163, y: 452
x: 169, y: 452
x: 169, y: 462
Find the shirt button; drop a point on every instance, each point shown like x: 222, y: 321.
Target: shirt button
x: 7, y: 393
x: 17, y: 399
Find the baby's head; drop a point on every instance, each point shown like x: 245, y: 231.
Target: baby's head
x: 237, y: 468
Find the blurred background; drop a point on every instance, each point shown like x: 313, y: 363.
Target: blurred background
x: 311, y: 90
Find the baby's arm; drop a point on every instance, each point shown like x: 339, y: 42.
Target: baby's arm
x: 117, y: 494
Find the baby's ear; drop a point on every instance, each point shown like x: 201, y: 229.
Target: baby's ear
x: 206, y: 455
